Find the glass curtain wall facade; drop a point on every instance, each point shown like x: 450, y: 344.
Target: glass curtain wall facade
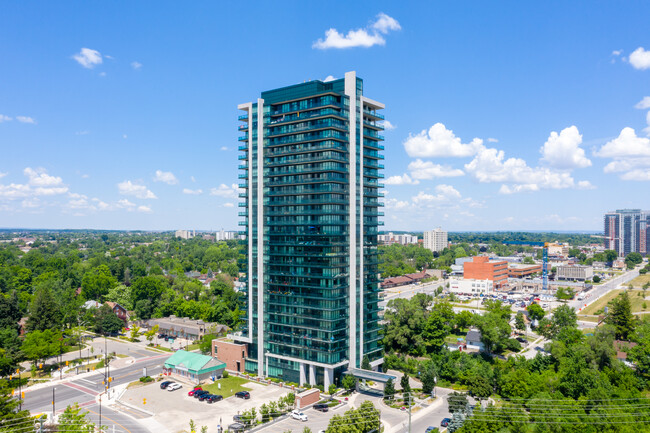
x: 626, y: 231
x: 311, y: 178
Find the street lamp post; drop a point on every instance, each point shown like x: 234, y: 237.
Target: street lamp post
x: 53, y: 403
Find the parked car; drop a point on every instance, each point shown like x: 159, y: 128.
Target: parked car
x: 236, y: 427
x: 174, y: 386
x: 296, y: 414
x: 165, y: 384
x: 205, y: 396
x: 198, y: 394
x: 445, y: 422
x: 192, y: 392
x: 243, y: 394
x: 214, y: 397
x: 431, y: 429
x: 323, y: 407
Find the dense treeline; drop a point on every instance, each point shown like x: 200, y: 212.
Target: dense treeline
x: 577, y: 385
x: 144, y: 272
x: 501, y: 237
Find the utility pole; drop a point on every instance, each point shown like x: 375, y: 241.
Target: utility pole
x: 410, y: 401
x: 100, y: 412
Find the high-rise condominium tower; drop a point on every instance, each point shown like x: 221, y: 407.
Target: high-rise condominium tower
x: 626, y: 231
x: 311, y: 205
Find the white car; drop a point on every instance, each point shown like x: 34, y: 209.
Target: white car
x: 296, y: 414
x: 174, y: 386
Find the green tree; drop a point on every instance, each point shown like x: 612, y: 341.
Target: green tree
x: 495, y: 331
x: 10, y: 351
x: 535, y: 312
x: 428, y: 381
x: 40, y: 345
x: 74, y: 420
x: 457, y: 402
x: 365, y: 363
x: 434, y: 332
x: 520, y: 322
x: 151, y: 333
x: 43, y: 312
x: 620, y: 315
x: 205, y: 345
x: 9, y: 311
x: 106, y: 321
x: 633, y: 259
x: 389, y: 389
x: 640, y: 354
x: 479, y: 386
x: 349, y: 382
x: 406, y: 386
x: 97, y: 282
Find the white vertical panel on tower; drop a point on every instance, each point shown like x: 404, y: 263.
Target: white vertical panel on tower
x: 260, y: 238
x: 351, y: 92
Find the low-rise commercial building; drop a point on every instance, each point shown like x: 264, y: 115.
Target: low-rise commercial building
x: 482, y: 268
x: 402, y: 239
x: 194, y: 367
x: 469, y: 286
x: 518, y: 270
x: 185, y: 327
x: 575, y: 272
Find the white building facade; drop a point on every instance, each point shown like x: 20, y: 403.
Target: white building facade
x: 469, y: 286
x: 436, y: 240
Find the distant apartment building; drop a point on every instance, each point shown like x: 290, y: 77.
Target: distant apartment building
x: 185, y: 234
x: 471, y: 286
x: 402, y: 239
x: 575, y: 272
x: 557, y: 249
x: 436, y: 240
x: 225, y: 235
x: 482, y: 268
x: 626, y: 231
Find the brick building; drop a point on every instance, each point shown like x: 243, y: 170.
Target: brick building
x: 482, y: 268
x: 230, y: 352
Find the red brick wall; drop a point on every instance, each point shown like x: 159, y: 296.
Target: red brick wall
x: 230, y: 352
x: 308, y: 397
x: 483, y: 269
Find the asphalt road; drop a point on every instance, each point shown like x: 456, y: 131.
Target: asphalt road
x: 600, y: 290
x: 85, y: 390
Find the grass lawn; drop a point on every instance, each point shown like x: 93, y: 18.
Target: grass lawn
x: 640, y: 280
x: 193, y: 347
x: 635, y: 300
x: 229, y: 386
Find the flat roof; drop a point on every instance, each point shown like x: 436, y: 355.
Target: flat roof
x: 370, y: 375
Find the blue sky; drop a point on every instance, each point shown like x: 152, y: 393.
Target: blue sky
x: 503, y: 115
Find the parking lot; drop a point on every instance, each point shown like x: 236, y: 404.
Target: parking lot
x: 316, y: 421
x: 175, y: 409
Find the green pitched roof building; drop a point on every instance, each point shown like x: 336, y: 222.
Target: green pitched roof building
x: 194, y: 367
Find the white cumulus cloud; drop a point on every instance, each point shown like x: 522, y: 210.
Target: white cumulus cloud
x: 364, y: 37
x: 401, y: 180
x: 439, y: 141
x: 389, y: 126
x: 4, y: 118
x: 329, y: 78
x: 490, y: 165
x: 25, y: 119
x: 630, y: 155
x: 136, y: 65
x: 563, y: 150
x: 225, y: 191
x: 444, y: 193
x: 640, y: 59
x: 428, y: 170
x: 166, y: 177
x: 192, y: 191
x: 88, y: 58
x: 144, y: 209
x: 644, y: 103
x: 137, y: 190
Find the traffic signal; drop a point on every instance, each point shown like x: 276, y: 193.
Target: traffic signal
x: 22, y: 395
x: 18, y: 371
x: 144, y: 401
x: 66, y: 363
x: 40, y: 365
x: 110, y: 379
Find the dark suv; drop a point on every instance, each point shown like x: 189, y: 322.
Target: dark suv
x: 213, y: 398
x: 323, y: 407
x: 243, y: 394
x: 165, y: 384
x: 198, y: 394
